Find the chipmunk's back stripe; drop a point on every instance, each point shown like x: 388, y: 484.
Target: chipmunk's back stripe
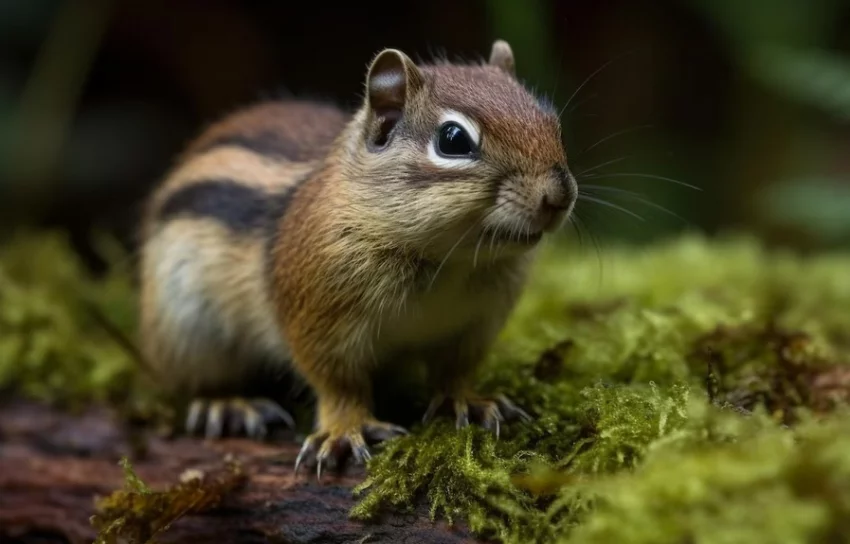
x: 240, y: 208
x: 266, y: 143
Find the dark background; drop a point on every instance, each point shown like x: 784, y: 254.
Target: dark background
x: 749, y: 100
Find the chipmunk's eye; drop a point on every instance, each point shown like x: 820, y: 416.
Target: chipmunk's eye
x: 454, y: 141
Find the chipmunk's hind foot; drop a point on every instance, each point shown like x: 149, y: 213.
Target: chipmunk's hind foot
x: 217, y: 418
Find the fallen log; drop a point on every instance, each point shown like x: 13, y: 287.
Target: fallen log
x: 54, y: 464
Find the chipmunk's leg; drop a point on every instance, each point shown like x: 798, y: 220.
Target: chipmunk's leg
x: 345, y: 424
x: 451, y: 368
x: 236, y: 416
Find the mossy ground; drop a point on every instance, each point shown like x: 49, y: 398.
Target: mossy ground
x: 692, y: 391
x: 67, y: 337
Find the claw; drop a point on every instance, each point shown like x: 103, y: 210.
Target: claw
x: 308, y: 448
x: 362, y: 454
x: 320, y: 460
x: 492, y: 424
x: 330, y: 450
x: 381, y: 433
x: 252, y: 419
x: 326, y: 456
x: 298, y: 460
x: 269, y: 408
x: 193, y: 418
x: 435, y: 404
x: 322, y: 457
x: 238, y: 417
x: 462, y: 412
x: 511, y: 410
x: 254, y: 425
x: 358, y: 448
x: 215, y: 419
x: 490, y: 413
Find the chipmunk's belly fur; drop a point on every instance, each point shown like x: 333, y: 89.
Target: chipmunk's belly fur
x: 434, y: 314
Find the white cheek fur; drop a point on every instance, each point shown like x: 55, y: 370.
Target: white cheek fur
x: 471, y: 128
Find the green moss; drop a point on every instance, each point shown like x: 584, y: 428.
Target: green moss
x: 768, y: 485
x: 63, y: 334
x: 692, y: 391
x: 680, y: 365
x: 465, y: 475
x: 469, y: 475
x: 138, y: 513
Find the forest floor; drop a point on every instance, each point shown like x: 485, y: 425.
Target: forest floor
x: 692, y: 391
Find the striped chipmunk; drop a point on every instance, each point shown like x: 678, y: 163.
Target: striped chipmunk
x: 294, y: 236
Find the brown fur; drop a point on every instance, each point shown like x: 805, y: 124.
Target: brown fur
x: 303, y: 130
x: 385, y: 252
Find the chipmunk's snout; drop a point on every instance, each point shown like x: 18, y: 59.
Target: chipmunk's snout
x: 557, y: 201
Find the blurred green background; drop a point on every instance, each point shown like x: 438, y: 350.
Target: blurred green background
x: 749, y: 101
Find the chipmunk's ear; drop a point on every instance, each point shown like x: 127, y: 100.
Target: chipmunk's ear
x: 502, y: 57
x: 392, y: 80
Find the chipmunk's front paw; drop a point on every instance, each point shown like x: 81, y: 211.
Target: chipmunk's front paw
x: 235, y: 417
x: 325, y: 448
x: 487, y: 412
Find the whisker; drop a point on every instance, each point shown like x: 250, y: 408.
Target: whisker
x: 573, y: 223
x: 610, y: 205
x: 510, y: 238
x: 603, y: 165
x: 639, y: 198
x: 477, y: 247
x: 607, y: 188
x: 612, y: 136
x: 585, y: 82
x: 578, y: 104
x: 595, y: 245
x: 462, y: 236
x: 481, y: 235
x: 646, y: 176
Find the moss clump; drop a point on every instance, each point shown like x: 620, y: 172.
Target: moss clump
x: 682, y: 358
x: 769, y: 485
x: 500, y: 487
x: 464, y: 475
x: 138, y: 514
x: 65, y: 336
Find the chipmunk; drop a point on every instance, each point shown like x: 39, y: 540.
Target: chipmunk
x: 293, y: 234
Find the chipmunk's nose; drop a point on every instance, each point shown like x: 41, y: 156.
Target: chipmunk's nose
x: 558, y: 199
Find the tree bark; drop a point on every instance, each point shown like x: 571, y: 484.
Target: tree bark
x: 53, y: 464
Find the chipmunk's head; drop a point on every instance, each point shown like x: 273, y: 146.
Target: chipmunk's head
x: 459, y: 155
